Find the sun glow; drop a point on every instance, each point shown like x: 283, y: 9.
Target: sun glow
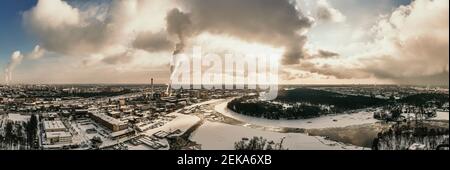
x: 212, y: 43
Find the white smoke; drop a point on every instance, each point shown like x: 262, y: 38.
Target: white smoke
x: 16, y: 59
x: 37, y: 53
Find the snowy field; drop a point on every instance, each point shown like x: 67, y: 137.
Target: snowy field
x: 220, y: 136
x: 181, y: 122
x: 139, y: 147
x: 19, y: 117
x: 441, y: 116
x: 342, y: 120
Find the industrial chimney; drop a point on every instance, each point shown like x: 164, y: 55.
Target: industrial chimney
x: 152, y: 85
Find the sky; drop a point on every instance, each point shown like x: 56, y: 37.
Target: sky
x: 318, y: 41
x: 13, y: 35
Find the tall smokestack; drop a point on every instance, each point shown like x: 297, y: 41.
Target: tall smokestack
x: 152, y: 85
x: 169, y: 86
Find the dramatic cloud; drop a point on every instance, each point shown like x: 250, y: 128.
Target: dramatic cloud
x: 275, y: 22
x: 325, y: 12
x: 100, y: 29
x: 61, y: 28
x: 153, y: 42
x: 408, y: 45
x: 412, y: 44
x: 324, y: 54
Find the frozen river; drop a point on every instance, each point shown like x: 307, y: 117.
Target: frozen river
x: 220, y: 136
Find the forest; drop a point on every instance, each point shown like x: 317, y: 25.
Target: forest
x: 426, y: 98
x: 304, y: 103
x: 19, y: 135
x: 341, y: 102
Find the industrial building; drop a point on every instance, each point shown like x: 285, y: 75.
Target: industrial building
x: 56, y: 133
x: 54, y: 126
x: 58, y: 137
x: 107, y: 121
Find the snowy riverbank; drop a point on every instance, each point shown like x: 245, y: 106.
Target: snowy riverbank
x: 441, y: 116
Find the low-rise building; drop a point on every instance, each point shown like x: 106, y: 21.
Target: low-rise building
x: 54, y: 126
x: 58, y: 137
x: 109, y: 122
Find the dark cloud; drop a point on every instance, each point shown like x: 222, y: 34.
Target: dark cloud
x: 335, y: 71
x: 326, y: 54
x: 325, y: 12
x: 153, y: 42
x: 274, y: 22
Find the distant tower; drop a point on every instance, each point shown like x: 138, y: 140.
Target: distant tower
x: 153, y: 90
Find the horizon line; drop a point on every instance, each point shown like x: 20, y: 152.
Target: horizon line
x: 285, y: 84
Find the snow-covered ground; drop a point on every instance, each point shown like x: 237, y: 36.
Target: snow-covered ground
x: 146, y: 147
x: 82, y: 135
x: 139, y: 147
x: 441, y: 116
x: 220, y: 136
x: 181, y: 122
x: 341, y: 120
x: 204, y: 103
x: 19, y: 117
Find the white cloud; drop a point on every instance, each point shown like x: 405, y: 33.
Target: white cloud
x: 56, y: 14
x: 69, y: 30
x: 412, y: 43
x: 16, y: 59
x: 408, y: 46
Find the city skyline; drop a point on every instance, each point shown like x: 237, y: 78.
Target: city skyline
x: 320, y: 42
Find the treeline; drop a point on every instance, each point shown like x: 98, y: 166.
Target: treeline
x: 341, y: 102
x: 426, y: 98
x: 304, y: 104
x: 19, y: 135
x: 401, y: 138
x: 310, y: 103
x: 258, y: 143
